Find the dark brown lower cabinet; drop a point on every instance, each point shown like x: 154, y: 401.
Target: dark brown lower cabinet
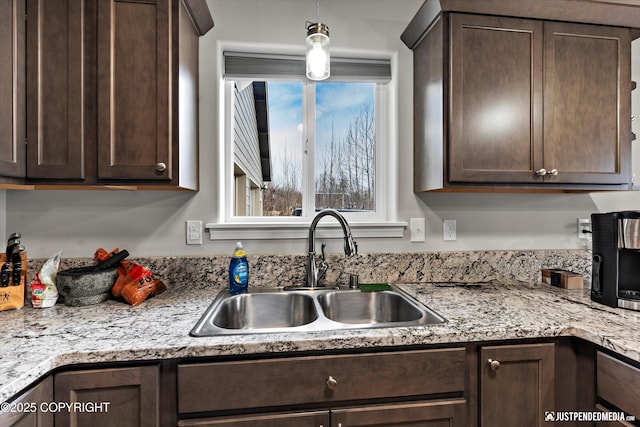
x: 618, y: 387
x: 517, y: 385
x: 506, y: 384
x: 290, y: 419
x: 347, y: 389
x: 131, y: 396
x: 618, y: 422
x: 435, y: 413
x: 438, y: 413
x: 26, y: 410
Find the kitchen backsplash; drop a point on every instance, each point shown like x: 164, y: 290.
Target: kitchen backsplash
x: 275, y: 270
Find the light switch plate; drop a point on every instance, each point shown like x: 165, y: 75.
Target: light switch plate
x: 416, y: 226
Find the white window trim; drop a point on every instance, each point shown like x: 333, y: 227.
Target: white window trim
x: 382, y: 223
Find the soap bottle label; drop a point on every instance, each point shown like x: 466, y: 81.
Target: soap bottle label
x: 240, y: 273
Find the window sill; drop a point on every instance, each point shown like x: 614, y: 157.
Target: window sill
x: 272, y: 231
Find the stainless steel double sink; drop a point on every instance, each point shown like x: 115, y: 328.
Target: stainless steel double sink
x: 276, y: 310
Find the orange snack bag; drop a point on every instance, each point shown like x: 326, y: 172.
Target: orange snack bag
x: 136, y: 292
x: 134, y: 283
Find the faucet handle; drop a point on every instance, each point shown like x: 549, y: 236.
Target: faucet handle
x: 350, y: 246
x: 324, y: 266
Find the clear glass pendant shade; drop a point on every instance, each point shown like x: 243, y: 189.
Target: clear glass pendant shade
x: 318, y: 55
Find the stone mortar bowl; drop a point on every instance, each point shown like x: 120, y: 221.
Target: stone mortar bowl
x: 81, y: 286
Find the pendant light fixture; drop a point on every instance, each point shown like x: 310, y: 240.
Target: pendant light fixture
x: 318, y: 55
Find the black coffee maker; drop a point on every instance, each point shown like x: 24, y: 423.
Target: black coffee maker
x: 615, y: 277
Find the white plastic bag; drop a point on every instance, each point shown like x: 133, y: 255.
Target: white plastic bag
x: 44, y: 292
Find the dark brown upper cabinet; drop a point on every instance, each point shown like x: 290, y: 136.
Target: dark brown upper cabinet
x: 106, y: 103
x: 12, y: 89
x: 59, y: 114
x: 134, y: 120
x: 512, y: 103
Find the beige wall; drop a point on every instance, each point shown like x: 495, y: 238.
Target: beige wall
x: 153, y: 223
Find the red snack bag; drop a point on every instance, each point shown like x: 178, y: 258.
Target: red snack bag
x: 134, y: 283
x: 136, y: 292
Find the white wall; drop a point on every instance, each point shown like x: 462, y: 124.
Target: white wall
x: 153, y: 223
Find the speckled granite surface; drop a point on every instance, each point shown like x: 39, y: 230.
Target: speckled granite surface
x: 36, y: 341
x: 272, y: 270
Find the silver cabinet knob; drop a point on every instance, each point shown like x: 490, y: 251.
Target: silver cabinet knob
x: 161, y: 167
x: 553, y: 172
x: 493, y: 364
x: 541, y: 172
x: 332, y: 383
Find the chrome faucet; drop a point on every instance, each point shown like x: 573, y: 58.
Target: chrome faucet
x: 313, y: 272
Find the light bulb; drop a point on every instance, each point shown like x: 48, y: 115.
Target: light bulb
x: 318, y: 56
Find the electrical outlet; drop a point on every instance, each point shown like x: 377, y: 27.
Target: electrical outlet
x: 416, y: 225
x: 194, y: 232
x: 449, y: 230
x: 584, y: 228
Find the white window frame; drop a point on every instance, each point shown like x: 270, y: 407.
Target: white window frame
x: 378, y: 223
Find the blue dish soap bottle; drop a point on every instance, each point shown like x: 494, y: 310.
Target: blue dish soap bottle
x: 238, y: 271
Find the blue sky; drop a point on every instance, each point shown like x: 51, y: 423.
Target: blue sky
x: 337, y: 102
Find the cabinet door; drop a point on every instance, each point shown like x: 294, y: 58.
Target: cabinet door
x: 25, y: 411
x: 134, y: 128
x: 297, y: 419
x: 496, y: 100
x: 448, y: 413
x: 56, y: 67
x: 12, y: 88
x: 587, y: 103
x: 127, y: 397
x: 516, y: 385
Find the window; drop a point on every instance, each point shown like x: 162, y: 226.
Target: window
x: 294, y: 146
x: 339, y: 159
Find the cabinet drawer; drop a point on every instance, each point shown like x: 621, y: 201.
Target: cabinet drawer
x: 292, y: 419
x: 617, y: 423
x: 304, y: 380
x: 429, y: 413
x: 618, y: 384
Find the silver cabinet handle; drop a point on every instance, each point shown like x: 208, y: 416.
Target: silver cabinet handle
x: 493, y: 364
x: 161, y: 167
x: 543, y: 172
x: 332, y: 383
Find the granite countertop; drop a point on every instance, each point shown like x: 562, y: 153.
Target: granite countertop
x: 35, y: 341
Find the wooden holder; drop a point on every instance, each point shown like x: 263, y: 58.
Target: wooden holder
x: 12, y: 296
x: 562, y: 278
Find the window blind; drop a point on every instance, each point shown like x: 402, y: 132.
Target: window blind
x: 255, y: 66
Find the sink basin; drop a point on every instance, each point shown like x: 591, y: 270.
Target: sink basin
x: 368, y: 307
x: 275, y: 310
x: 256, y: 312
x: 268, y: 310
